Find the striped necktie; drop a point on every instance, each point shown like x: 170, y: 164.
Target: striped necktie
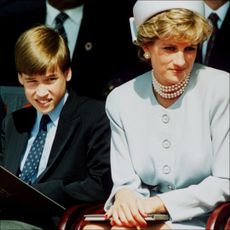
x: 213, y: 17
x: 59, y: 25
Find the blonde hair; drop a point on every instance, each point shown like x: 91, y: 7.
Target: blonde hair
x: 40, y: 49
x: 176, y: 24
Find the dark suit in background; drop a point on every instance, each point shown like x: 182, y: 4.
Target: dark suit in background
x: 110, y: 60
x: 15, y: 17
x: 220, y: 55
x: 78, y: 164
x: 2, y: 110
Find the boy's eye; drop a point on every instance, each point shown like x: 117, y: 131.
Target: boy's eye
x: 53, y: 78
x: 31, y: 81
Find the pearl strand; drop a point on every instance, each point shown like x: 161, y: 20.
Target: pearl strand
x: 172, y: 91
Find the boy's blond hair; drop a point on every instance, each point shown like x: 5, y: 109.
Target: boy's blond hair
x: 41, y: 49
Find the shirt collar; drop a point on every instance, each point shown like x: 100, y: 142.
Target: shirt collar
x: 221, y: 12
x: 75, y: 14
x: 55, y: 114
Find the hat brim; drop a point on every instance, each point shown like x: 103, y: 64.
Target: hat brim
x: 144, y: 9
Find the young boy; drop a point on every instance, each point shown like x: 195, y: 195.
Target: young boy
x: 74, y: 161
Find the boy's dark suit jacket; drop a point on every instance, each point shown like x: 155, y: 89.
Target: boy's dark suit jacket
x: 78, y: 168
x: 104, y: 55
x: 220, y: 57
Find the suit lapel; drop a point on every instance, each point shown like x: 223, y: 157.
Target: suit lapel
x: 68, y: 122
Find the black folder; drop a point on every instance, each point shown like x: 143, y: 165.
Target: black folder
x: 16, y: 196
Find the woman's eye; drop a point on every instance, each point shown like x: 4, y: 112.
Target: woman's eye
x: 191, y: 49
x: 170, y: 48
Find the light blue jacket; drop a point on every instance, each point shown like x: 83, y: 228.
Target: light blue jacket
x: 180, y: 153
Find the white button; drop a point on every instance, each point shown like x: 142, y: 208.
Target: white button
x: 88, y: 46
x: 165, y: 118
x: 166, y: 144
x: 166, y: 169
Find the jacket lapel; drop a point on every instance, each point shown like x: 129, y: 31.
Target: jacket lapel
x: 68, y: 122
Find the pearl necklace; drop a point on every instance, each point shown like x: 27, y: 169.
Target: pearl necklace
x: 171, y: 91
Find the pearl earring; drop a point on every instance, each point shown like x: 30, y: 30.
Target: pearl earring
x: 146, y: 55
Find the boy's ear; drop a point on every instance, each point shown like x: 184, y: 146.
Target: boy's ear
x: 68, y: 74
x: 20, y: 79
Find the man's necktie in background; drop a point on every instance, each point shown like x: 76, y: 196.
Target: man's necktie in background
x: 30, y: 169
x: 213, y: 17
x: 59, y: 25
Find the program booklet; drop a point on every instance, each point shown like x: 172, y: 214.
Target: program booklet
x: 152, y: 217
x: 16, y: 196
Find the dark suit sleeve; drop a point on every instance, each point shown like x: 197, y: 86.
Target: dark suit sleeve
x: 2, y: 141
x: 94, y: 187
x: 96, y: 183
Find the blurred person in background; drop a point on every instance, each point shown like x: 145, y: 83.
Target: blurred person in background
x: 218, y: 56
x: 99, y: 41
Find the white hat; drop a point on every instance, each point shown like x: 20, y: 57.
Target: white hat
x: 144, y: 9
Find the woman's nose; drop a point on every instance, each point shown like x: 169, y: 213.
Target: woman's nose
x: 179, y: 59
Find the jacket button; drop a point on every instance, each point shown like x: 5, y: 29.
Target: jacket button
x: 88, y: 46
x: 166, y: 144
x: 165, y: 118
x: 166, y: 169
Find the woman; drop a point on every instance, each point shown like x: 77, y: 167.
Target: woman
x: 170, y: 126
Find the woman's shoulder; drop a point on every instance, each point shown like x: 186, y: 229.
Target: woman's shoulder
x: 129, y: 94
x: 129, y: 88
x: 211, y: 80
x: 210, y: 74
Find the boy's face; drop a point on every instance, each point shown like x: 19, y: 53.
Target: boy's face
x: 44, y: 92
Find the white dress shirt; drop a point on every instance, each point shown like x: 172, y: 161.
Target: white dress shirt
x: 72, y: 23
x: 221, y: 12
x: 51, y: 131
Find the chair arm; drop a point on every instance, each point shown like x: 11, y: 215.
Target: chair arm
x: 219, y: 218
x: 73, y: 217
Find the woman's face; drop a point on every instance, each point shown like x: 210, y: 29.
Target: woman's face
x: 171, y: 60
